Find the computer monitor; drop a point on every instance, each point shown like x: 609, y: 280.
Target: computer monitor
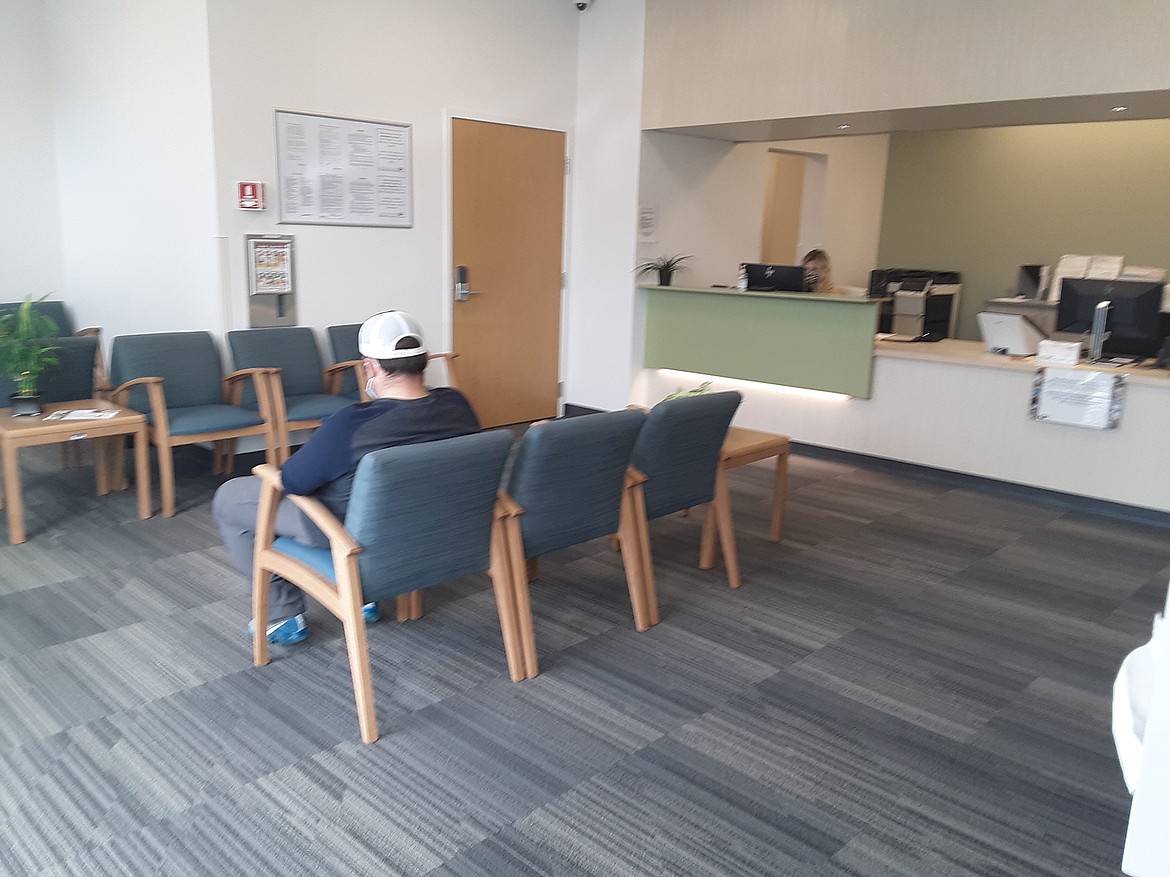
x: 1135, y: 320
x: 776, y: 278
x: 1011, y: 334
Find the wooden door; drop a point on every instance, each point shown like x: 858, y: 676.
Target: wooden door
x: 508, y: 188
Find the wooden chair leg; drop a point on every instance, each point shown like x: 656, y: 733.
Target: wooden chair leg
x: 118, y: 479
x: 532, y: 568
x: 402, y: 607
x: 261, y: 578
x: 166, y: 479
x: 634, y: 565
x: 506, y: 606
x: 779, y: 497
x: 359, y: 667
x: 518, y: 573
x: 642, y: 534
x: 722, y: 508
x: 416, y: 605
x: 707, y: 539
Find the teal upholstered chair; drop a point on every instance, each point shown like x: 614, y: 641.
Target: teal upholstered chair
x: 72, y: 379
x: 55, y: 311
x: 346, y: 375
x: 419, y: 515
x: 678, y: 451
x: 571, y: 479
x: 177, y: 380
x: 296, y: 380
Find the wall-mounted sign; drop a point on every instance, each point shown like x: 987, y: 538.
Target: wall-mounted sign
x: 250, y: 196
x: 334, y: 171
x: 1073, y: 397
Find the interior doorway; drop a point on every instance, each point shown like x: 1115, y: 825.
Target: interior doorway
x: 508, y: 185
x: 794, y: 198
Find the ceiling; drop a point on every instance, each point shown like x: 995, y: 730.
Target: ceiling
x: 1037, y: 111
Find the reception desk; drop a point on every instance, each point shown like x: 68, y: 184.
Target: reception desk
x: 951, y: 405
x: 816, y: 342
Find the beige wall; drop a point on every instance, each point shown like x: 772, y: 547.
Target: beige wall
x: 766, y: 59
x: 986, y: 201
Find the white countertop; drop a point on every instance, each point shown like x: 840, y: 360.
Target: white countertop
x: 974, y: 354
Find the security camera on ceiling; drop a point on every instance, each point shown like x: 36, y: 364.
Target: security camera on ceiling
x: 582, y: 5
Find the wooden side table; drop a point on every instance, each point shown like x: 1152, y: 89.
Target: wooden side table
x: 24, y: 432
x: 743, y: 446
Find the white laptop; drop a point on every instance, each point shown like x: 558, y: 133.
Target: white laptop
x: 1009, y: 334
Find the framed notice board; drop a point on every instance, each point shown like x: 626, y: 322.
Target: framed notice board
x: 335, y: 171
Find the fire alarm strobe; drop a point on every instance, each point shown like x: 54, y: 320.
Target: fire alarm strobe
x: 250, y: 196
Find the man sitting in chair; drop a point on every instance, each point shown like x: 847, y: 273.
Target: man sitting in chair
x: 402, y: 411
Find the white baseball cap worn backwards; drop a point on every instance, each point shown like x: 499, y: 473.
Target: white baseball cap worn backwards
x: 380, y: 335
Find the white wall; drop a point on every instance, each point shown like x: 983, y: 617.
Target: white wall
x: 510, y: 61
x: 600, y: 346
x: 710, y: 201
x: 132, y: 108
x: 29, y: 217
x: 776, y: 59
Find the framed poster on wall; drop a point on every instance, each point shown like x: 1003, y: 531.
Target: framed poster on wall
x: 337, y: 171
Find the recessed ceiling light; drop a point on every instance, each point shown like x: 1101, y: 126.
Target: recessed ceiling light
x: 1119, y: 109
x: 842, y: 127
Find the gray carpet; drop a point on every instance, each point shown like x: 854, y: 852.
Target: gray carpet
x: 916, y: 682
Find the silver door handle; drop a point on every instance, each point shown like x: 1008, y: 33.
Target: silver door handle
x: 462, y: 293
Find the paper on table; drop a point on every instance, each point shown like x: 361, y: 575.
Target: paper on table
x: 1070, y: 265
x: 83, y: 414
x: 1105, y: 267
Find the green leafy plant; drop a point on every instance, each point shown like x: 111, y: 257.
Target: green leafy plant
x: 24, y: 349
x: 665, y: 266
x: 680, y: 393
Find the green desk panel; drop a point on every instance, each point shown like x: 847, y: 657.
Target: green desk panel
x: 816, y: 342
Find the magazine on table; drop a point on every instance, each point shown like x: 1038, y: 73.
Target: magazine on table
x: 83, y: 414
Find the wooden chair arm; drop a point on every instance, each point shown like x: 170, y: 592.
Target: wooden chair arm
x: 634, y: 407
x: 506, y: 507
x: 255, y: 374
x: 334, y: 374
x: 158, y: 403
x: 339, y: 538
x: 94, y: 331
x: 119, y: 393
x: 634, y: 477
x: 263, y: 381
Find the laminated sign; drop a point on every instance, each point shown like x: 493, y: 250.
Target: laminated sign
x: 1074, y: 397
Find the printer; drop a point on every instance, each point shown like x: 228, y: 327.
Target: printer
x: 916, y: 301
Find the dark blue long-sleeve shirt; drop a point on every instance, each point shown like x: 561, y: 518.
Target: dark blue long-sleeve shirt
x: 324, y: 466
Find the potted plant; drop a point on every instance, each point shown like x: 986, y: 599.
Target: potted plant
x: 665, y: 266
x: 25, y: 354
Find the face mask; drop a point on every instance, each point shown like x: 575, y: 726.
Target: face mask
x: 370, y: 389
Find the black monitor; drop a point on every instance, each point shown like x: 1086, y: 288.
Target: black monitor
x: 1135, y: 320
x: 776, y: 278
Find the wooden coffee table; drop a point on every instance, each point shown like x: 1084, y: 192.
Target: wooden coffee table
x: 25, y: 432
x: 743, y: 446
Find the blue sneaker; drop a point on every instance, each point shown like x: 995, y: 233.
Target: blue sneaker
x: 288, y: 632
x: 370, y: 613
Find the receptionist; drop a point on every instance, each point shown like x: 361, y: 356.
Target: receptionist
x: 817, y: 273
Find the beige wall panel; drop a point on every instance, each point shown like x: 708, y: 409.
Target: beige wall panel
x: 984, y: 202
x: 763, y: 59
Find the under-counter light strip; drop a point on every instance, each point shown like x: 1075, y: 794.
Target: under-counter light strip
x: 782, y: 389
